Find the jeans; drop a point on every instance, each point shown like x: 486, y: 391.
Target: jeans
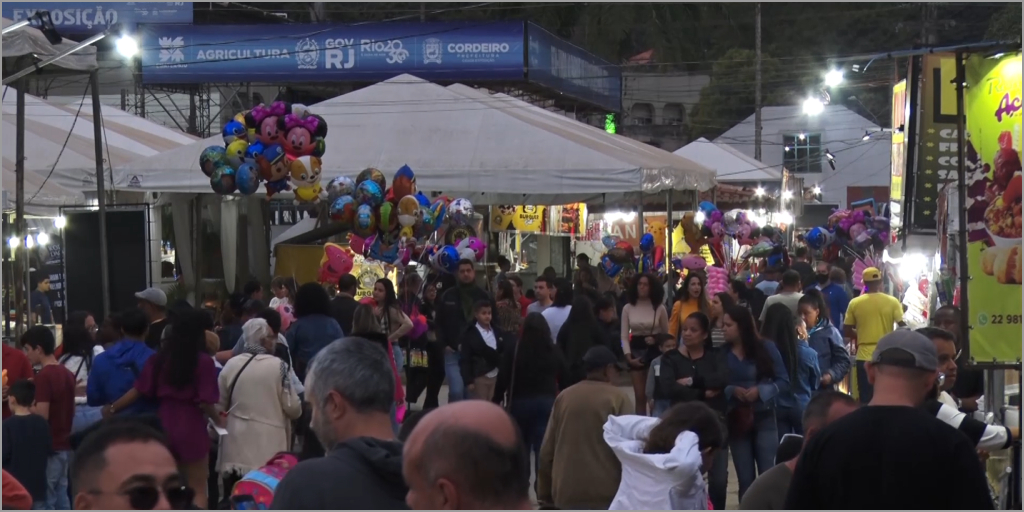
x: 660, y: 406
x: 531, y: 415
x: 864, y: 389
x: 755, y: 449
x: 456, y: 388
x: 789, y: 420
x: 57, y: 481
x: 85, y: 417
x: 718, y: 479
x: 399, y: 356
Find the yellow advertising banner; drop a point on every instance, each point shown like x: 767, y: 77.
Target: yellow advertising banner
x: 899, y: 158
x: 937, y: 140
x: 527, y: 219
x: 994, y: 208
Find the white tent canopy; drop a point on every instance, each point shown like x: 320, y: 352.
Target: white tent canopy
x: 728, y: 163
x: 30, y: 41
x: 64, y: 157
x: 460, y: 146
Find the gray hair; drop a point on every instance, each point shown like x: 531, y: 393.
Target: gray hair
x: 356, y: 369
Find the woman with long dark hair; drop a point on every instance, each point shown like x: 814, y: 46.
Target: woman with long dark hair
x: 720, y: 302
x: 825, y: 339
x: 580, y: 332
x: 434, y: 351
x: 643, y: 318
x: 313, y: 329
x: 757, y: 376
x: 699, y: 372
x: 801, y: 365
x: 509, y: 313
x: 79, y: 348
x: 183, y: 379
x: 689, y: 299
x: 366, y: 325
x: 528, y: 378
x: 394, y: 323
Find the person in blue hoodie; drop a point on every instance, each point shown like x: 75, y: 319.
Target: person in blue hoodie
x: 827, y: 341
x: 114, y: 371
x: 801, y: 365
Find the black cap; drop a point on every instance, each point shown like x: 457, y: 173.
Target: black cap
x: 598, y: 357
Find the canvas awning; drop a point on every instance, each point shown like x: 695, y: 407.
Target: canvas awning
x: 459, y: 146
x: 729, y: 164
x: 30, y: 41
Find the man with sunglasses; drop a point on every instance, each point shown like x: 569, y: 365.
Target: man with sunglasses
x: 126, y: 465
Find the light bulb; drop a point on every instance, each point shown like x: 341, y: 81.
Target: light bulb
x: 127, y: 46
x: 759, y: 192
x: 42, y: 239
x: 834, y: 78
x: 813, y: 106
x: 13, y: 242
x: 30, y: 242
x: 698, y: 218
x: 60, y: 222
x: 816, y: 190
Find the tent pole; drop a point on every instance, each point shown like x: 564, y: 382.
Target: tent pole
x: 962, y: 271
x: 24, y: 305
x: 101, y: 194
x: 670, y: 283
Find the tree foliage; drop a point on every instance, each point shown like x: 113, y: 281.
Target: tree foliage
x: 1005, y: 25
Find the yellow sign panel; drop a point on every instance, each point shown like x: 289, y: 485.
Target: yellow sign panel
x: 507, y: 217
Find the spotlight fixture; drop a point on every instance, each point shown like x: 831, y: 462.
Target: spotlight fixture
x: 816, y: 190
x: 831, y: 159
x: 834, y: 78
x: 759, y: 192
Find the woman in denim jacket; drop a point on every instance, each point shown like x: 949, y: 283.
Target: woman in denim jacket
x: 825, y: 339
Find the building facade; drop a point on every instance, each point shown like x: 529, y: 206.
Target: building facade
x: 656, y: 106
x: 805, y: 145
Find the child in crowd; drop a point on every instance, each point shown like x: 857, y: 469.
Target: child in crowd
x: 659, y: 403
x: 663, y: 458
x: 482, y: 345
x: 26, y: 442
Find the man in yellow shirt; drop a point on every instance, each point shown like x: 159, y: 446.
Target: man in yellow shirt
x: 869, y: 317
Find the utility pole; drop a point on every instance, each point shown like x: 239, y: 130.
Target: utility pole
x: 423, y: 12
x: 757, y: 84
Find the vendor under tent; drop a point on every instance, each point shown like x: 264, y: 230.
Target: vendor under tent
x: 458, y: 146
x: 729, y: 164
x: 73, y: 167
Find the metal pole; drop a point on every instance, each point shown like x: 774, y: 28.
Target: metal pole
x: 101, y: 194
x: 757, y: 84
x: 35, y: 67
x: 961, y: 128
x: 669, y: 283
x: 19, y: 220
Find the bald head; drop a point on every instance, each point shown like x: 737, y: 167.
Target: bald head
x: 466, y: 455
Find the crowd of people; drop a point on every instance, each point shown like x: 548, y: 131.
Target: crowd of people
x: 315, y: 397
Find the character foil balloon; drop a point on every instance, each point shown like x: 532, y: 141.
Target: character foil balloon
x: 305, y: 172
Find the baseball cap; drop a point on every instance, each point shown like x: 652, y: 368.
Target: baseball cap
x: 598, y: 357
x: 871, y: 274
x: 907, y: 349
x: 154, y: 296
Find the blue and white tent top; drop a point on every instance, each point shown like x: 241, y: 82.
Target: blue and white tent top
x: 489, y: 150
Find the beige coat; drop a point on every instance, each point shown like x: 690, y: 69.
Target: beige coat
x: 258, y: 423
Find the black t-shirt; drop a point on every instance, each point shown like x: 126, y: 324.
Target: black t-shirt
x: 806, y: 273
x: 155, y: 334
x: 896, y: 458
x: 26, y: 446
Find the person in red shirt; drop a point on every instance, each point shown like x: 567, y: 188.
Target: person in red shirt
x: 55, y: 401
x: 517, y: 292
x: 16, y: 367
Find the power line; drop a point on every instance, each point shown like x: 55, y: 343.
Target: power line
x: 67, y: 139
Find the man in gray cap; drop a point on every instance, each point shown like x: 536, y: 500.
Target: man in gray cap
x: 892, y: 454
x: 153, y: 302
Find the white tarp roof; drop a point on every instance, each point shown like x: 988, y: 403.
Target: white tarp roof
x: 460, y: 146
x: 31, y: 41
x: 728, y: 163
x: 47, y: 126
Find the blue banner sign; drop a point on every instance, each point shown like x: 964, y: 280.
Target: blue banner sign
x: 87, y: 18
x: 572, y: 70
x: 179, y: 54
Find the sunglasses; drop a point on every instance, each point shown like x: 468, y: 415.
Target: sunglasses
x: 145, y: 497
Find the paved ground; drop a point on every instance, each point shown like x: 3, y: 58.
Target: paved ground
x: 732, y: 500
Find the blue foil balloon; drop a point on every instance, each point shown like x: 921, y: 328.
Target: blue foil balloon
x: 343, y: 211
x: 423, y: 200
x: 369, y: 193
x: 254, y: 150
x: 234, y: 131
x: 223, y: 180
x: 707, y: 207
x: 647, y: 243
x: 247, y: 179
x: 366, y: 221
x: 448, y: 259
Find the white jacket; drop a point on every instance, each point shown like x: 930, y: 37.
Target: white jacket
x: 670, y: 481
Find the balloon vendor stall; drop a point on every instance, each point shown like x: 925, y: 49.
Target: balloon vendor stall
x: 859, y: 232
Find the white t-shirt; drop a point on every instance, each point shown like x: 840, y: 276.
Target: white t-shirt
x: 556, y: 317
x: 80, y: 369
x: 275, y: 302
x: 490, y: 341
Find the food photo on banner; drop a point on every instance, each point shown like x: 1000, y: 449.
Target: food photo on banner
x: 993, y: 103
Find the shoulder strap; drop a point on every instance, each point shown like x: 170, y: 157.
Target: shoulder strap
x: 231, y: 389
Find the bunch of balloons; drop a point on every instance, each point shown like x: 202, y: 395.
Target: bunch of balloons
x: 280, y: 145
x: 652, y: 257
x: 390, y: 224
x: 734, y: 223
x: 858, y: 229
x: 619, y: 255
